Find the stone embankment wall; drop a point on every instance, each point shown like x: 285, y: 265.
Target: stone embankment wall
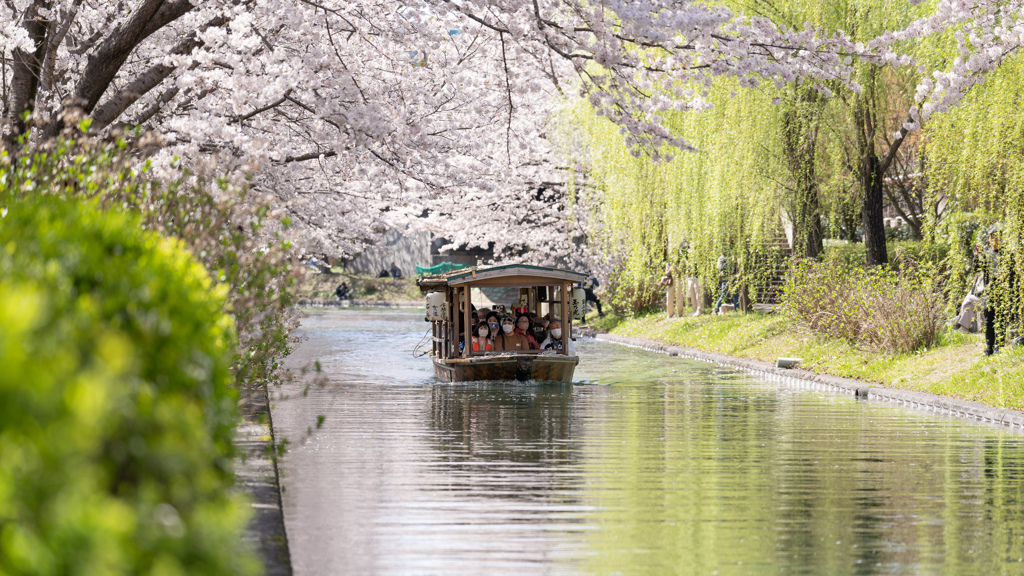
x: 256, y: 472
x: 824, y: 382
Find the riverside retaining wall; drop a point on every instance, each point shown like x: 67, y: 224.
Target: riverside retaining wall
x: 810, y: 380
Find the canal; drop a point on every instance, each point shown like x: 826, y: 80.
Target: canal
x: 648, y: 464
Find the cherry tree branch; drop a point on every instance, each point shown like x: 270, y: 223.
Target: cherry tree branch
x: 110, y: 56
x: 116, y: 104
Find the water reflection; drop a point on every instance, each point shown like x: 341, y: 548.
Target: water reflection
x: 656, y: 466
x: 503, y: 421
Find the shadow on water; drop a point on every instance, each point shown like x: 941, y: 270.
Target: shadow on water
x: 646, y: 465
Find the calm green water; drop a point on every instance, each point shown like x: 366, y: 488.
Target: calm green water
x: 647, y: 465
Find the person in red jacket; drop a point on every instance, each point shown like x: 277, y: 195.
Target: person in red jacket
x: 525, y: 327
x: 482, y: 341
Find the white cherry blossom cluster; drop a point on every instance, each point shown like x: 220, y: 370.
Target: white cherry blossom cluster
x: 986, y: 32
x: 437, y: 114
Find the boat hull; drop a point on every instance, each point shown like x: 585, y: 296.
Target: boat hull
x: 556, y: 368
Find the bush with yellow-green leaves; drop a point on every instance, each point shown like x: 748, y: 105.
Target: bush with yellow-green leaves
x: 117, y: 409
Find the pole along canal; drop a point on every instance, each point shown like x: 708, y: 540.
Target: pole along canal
x: 647, y: 464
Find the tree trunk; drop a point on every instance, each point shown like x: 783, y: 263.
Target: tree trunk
x: 871, y: 214
x: 871, y: 171
x: 800, y: 142
x: 106, y: 61
x: 809, y: 221
x: 850, y: 225
x: 25, y: 73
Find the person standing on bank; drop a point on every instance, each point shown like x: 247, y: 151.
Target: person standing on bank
x: 692, y: 291
x: 999, y: 281
x: 725, y: 273
x: 588, y: 290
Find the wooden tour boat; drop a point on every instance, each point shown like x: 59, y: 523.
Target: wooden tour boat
x: 541, y: 291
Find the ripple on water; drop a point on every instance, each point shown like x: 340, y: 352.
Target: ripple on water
x: 648, y: 465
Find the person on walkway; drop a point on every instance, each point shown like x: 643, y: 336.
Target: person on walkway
x: 524, y: 326
x: 1000, y: 284
x: 341, y: 291
x: 508, y: 340
x: 554, y: 339
x: 969, y: 319
x: 692, y: 291
x: 726, y: 295
x: 588, y: 290
x: 668, y: 283
x: 971, y: 310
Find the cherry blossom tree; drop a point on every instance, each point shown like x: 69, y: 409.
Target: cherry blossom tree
x: 352, y: 113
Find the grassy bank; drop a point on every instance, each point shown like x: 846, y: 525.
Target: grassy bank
x: 361, y: 287
x: 956, y: 367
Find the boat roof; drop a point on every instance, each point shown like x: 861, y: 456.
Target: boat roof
x: 507, y: 275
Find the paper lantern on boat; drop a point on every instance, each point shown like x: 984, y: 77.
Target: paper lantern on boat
x: 579, y: 303
x: 437, y: 308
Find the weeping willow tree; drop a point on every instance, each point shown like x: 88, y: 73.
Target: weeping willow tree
x: 808, y: 157
x: 693, y: 209
x: 857, y: 145
x: 976, y: 171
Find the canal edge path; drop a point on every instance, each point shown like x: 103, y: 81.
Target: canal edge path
x: 926, y: 401
x: 257, y: 473
x: 332, y: 302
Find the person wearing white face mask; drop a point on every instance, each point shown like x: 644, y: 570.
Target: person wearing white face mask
x: 481, y: 342
x: 509, y: 340
x: 554, y: 339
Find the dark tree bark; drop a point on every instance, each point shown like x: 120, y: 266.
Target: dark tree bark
x: 872, y: 174
x: 114, y: 106
x: 872, y: 216
x: 905, y: 194
x: 809, y: 211
x: 25, y: 71
x: 800, y: 124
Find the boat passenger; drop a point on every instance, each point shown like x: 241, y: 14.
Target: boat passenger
x: 554, y: 339
x: 540, y: 329
x: 493, y: 324
x: 508, y: 340
x: 525, y: 327
x: 482, y: 341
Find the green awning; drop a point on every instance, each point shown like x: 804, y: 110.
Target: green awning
x: 439, y: 269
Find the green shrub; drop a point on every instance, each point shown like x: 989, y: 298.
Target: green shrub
x: 901, y: 253
x: 878, y: 309
x: 116, y: 407
x: 220, y: 221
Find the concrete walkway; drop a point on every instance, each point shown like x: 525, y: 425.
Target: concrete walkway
x: 256, y: 472
x: 812, y: 381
